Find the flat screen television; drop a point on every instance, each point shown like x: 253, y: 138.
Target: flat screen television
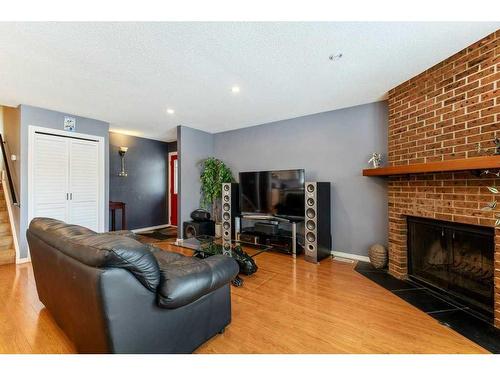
x: 276, y: 193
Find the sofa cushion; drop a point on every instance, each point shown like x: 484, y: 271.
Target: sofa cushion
x: 99, y: 249
x: 185, y: 279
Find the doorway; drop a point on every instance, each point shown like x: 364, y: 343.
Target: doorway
x: 172, y: 190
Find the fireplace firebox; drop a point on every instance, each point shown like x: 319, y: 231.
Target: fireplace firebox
x: 456, y: 259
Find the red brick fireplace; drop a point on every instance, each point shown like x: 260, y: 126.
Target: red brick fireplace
x: 445, y: 113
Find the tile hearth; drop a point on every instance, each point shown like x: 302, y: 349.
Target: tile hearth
x: 449, y: 313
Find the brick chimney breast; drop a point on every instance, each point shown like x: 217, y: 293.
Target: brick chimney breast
x: 450, y: 111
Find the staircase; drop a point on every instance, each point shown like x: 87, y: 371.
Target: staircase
x: 7, y: 252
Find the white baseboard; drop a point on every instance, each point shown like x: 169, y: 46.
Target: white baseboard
x: 350, y: 256
x: 23, y: 260
x: 147, y: 229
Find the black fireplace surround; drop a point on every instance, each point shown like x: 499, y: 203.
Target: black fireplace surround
x: 455, y: 259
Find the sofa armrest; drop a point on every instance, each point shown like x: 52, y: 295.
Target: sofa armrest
x: 136, y: 324
x: 224, y: 269
x: 187, y: 279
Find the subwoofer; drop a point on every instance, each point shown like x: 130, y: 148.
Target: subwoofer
x: 230, y: 209
x: 318, y: 238
x: 198, y: 228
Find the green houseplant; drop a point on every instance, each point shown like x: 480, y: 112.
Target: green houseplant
x: 214, y: 173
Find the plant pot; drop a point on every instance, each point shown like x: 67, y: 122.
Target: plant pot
x: 218, y: 230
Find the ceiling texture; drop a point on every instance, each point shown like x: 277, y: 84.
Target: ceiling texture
x: 128, y: 74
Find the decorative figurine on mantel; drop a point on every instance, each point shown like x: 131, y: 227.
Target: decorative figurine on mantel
x: 376, y: 160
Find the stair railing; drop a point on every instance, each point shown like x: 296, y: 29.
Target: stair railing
x: 12, y: 190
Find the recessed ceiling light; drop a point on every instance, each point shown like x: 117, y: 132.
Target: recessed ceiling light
x: 170, y: 111
x: 235, y: 89
x: 335, y: 56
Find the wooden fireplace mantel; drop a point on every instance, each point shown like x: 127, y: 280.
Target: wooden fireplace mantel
x: 480, y: 162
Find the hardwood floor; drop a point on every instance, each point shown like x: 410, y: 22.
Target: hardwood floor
x: 288, y: 306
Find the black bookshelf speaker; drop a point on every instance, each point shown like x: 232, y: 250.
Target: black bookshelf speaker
x: 318, y: 238
x: 230, y: 209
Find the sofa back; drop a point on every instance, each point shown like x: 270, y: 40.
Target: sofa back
x: 99, y: 250
x: 70, y: 263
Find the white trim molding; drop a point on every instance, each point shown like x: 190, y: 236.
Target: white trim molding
x: 341, y: 254
x: 147, y: 229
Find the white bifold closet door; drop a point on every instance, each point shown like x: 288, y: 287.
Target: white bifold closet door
x: 50, y: 177
x: 66, y: 180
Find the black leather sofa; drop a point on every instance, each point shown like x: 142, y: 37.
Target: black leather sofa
x: 112, y: 294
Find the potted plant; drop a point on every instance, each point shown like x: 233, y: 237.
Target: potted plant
x: 213, y: 174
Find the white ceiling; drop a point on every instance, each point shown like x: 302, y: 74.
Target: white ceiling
x: 129, y: 73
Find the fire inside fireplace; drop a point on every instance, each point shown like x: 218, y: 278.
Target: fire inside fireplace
x: 455, y: 258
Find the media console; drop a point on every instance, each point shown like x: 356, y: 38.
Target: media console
x: 260, y: 210
x: 281, y: 234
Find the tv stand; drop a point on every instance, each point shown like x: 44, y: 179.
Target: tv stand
x: 285, y: 241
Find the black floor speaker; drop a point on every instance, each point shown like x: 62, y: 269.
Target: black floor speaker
x: 198, y: 228
x: 230, y: 209
x: 318, y: 238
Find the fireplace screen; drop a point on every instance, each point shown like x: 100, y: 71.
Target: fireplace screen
x: 456, y: 258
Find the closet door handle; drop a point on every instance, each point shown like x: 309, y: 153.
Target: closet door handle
x: 70, y: 196
x: 67, y: 196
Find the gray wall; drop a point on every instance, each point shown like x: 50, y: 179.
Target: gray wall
x: 52, y: 119
x: 193, y: 146
x: 332, y: 146
x: 145, y: 189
